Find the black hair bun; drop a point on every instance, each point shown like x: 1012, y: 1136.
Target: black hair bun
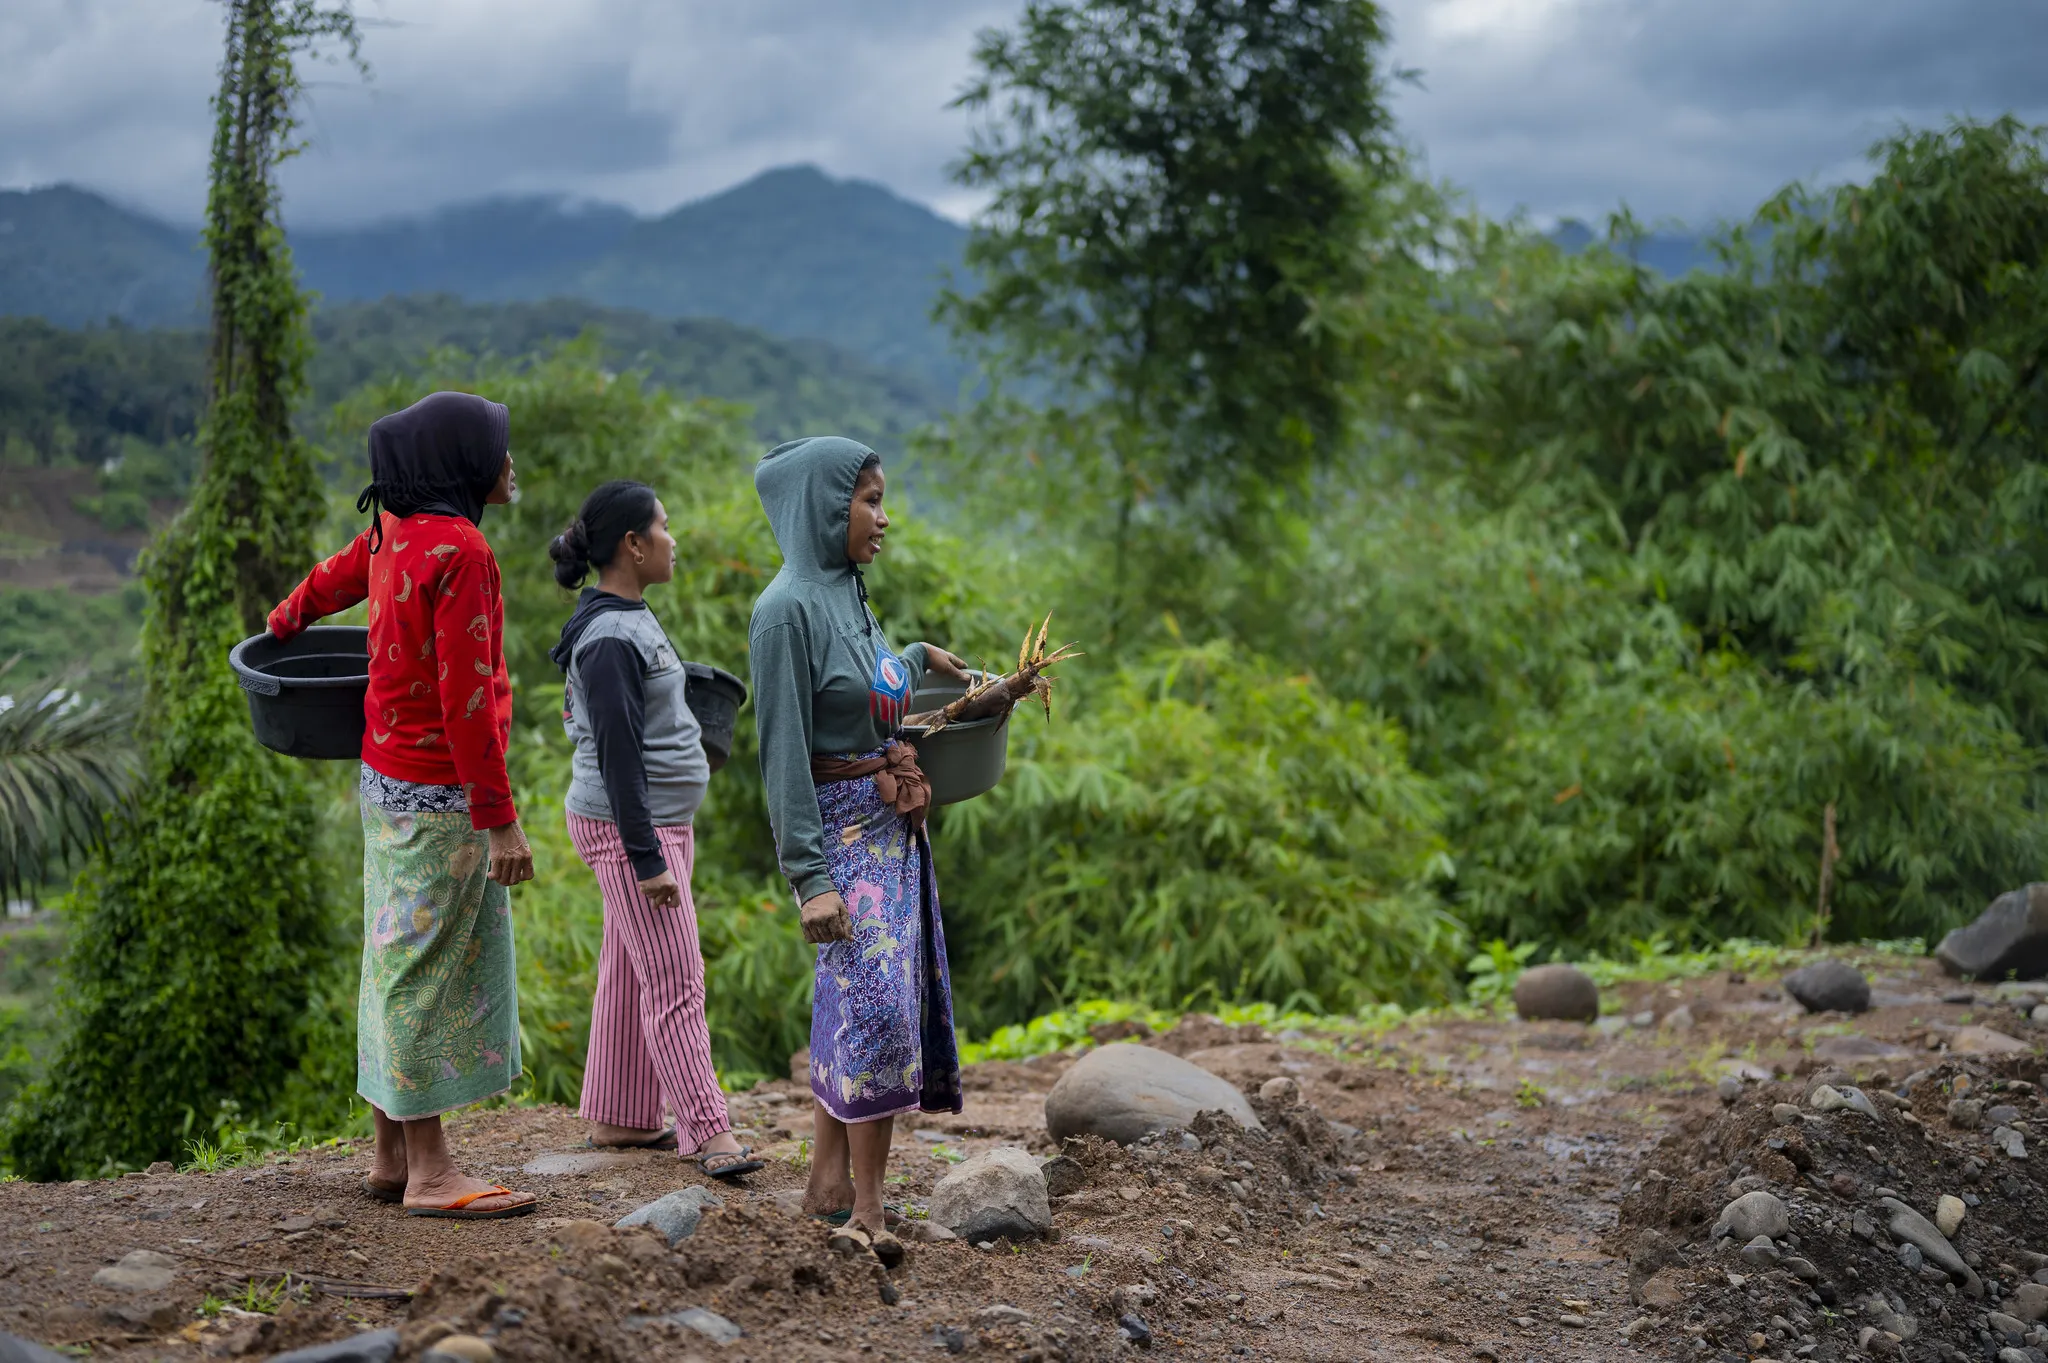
x: 571, y: 552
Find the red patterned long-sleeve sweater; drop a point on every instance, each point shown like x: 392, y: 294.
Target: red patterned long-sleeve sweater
x: 439, y: 708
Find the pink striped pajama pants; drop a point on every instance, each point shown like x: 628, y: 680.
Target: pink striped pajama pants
x: 648, y: 1037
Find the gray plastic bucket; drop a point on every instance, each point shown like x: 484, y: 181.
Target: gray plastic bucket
x: 961, y: 760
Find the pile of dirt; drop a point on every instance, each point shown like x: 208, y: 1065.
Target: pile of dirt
x: 1842, y: 1279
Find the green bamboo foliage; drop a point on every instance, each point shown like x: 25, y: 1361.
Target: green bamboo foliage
x: 195, y: 933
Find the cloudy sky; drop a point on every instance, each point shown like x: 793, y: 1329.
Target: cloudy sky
x: 1684, y: 109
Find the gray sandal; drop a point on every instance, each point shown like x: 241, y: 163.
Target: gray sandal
x: 729, y: 1163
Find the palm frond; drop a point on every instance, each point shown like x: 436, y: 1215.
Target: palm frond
x: 65, y: 764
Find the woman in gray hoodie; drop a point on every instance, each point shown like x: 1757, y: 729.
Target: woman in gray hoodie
x: 847, y: 802
x: 639, y: 774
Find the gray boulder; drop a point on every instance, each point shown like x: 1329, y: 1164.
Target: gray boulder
x: 1558, y: 992
x: 1829, y: 986
x: 998, y: 1192
x: 675, y: 1216
x: 1126, y: 1091
x: 140, y: 1270
x: 1754, y: 1214
x: 2010, y: 937
x: 14, y: 1349
x: 371, y: 1346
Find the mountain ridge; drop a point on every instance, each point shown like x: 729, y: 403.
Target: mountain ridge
x: 792, y: 251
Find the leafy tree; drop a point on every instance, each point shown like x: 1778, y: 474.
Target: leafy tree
x: 193, y: 934
x: 1176, y: 184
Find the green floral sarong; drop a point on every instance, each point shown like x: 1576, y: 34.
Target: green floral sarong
x: 437, y: 1015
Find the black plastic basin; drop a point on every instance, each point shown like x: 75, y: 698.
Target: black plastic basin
x: 714, y: 697
x: 306, y: 694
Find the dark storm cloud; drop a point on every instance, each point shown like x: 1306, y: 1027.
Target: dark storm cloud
x: 1692, y: 110
x: 1682, y: 108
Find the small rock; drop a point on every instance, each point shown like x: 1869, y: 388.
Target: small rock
x: 1728, y: 1089
x: 1786, y: 1114
x: 1754, y: 1214
x: 1948, y: 1214
x: 1760, y: 1253
x: 1557, y: 992
x: 930, y: 1233
x: 2029, y: 1301
x: 1829, y: 986
x: 2012, y: 1355
x: 1281, y: 1090
x: 1124, y: 1091
x: 371, y: 1346
x: 2010, y: 1141
x: 1911, y: 1257
x: 1573, y: 1321
x: 1646, y: 1018
x: 1802, y: 1269
x: 1965, y: 1114
x: 2040, y: 1013
x: 1002, y: 1314
x: 1975, y: 1040
x: 675, y: 1215
x: 1908, y: 1225
x: 2009, y: 938
x: 2011, y: 1327
x: 1133, y: 1329
x: 709, y: 1324
x: 460, y: 1349
x: 1828, y: 1098
x: 139, y: 1270
x: 1000, y: 1192
x: 1679, y: 1019
x: 2005, y: 1114
x: 1064, y: 1176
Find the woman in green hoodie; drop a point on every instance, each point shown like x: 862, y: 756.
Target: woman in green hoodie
x: 847, y: 803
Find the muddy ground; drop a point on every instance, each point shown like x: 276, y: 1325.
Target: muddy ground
x: 1482, y: 1195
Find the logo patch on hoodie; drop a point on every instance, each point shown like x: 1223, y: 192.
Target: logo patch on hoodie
x: 889, y: 692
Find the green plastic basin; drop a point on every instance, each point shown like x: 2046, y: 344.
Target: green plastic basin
x: 961, y: 760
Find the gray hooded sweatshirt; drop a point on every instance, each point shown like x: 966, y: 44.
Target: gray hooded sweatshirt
x: 825, y: 680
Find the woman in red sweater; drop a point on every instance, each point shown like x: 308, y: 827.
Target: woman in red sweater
x: 437, y: 1012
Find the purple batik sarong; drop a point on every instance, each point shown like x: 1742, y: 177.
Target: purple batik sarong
x: 882, y: 1010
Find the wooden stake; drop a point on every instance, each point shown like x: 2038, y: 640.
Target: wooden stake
x: 1830, y: 853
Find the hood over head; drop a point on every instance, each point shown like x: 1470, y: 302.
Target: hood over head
x: 806, y: 487
x: 590, y: 603
x: 442, y: 455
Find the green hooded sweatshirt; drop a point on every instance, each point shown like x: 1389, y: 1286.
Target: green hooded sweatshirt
x: 825, y: 679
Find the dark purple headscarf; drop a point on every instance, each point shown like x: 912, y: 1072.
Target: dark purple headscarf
x: 442, y: 455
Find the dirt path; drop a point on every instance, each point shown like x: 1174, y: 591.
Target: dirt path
x: 1469, y: 1203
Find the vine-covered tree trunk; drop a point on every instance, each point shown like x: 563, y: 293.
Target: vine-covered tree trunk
x: 194, y: 933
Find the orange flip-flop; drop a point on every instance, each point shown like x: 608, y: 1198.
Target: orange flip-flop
x: 458, y: 1210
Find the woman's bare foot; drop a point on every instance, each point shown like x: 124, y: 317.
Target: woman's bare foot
x: 387, y: 1164
x: 433, y: 1180
x: 826, y: 1195
x: 454, y: 1185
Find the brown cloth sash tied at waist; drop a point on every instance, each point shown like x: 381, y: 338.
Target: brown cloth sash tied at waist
x: 898, y: 779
